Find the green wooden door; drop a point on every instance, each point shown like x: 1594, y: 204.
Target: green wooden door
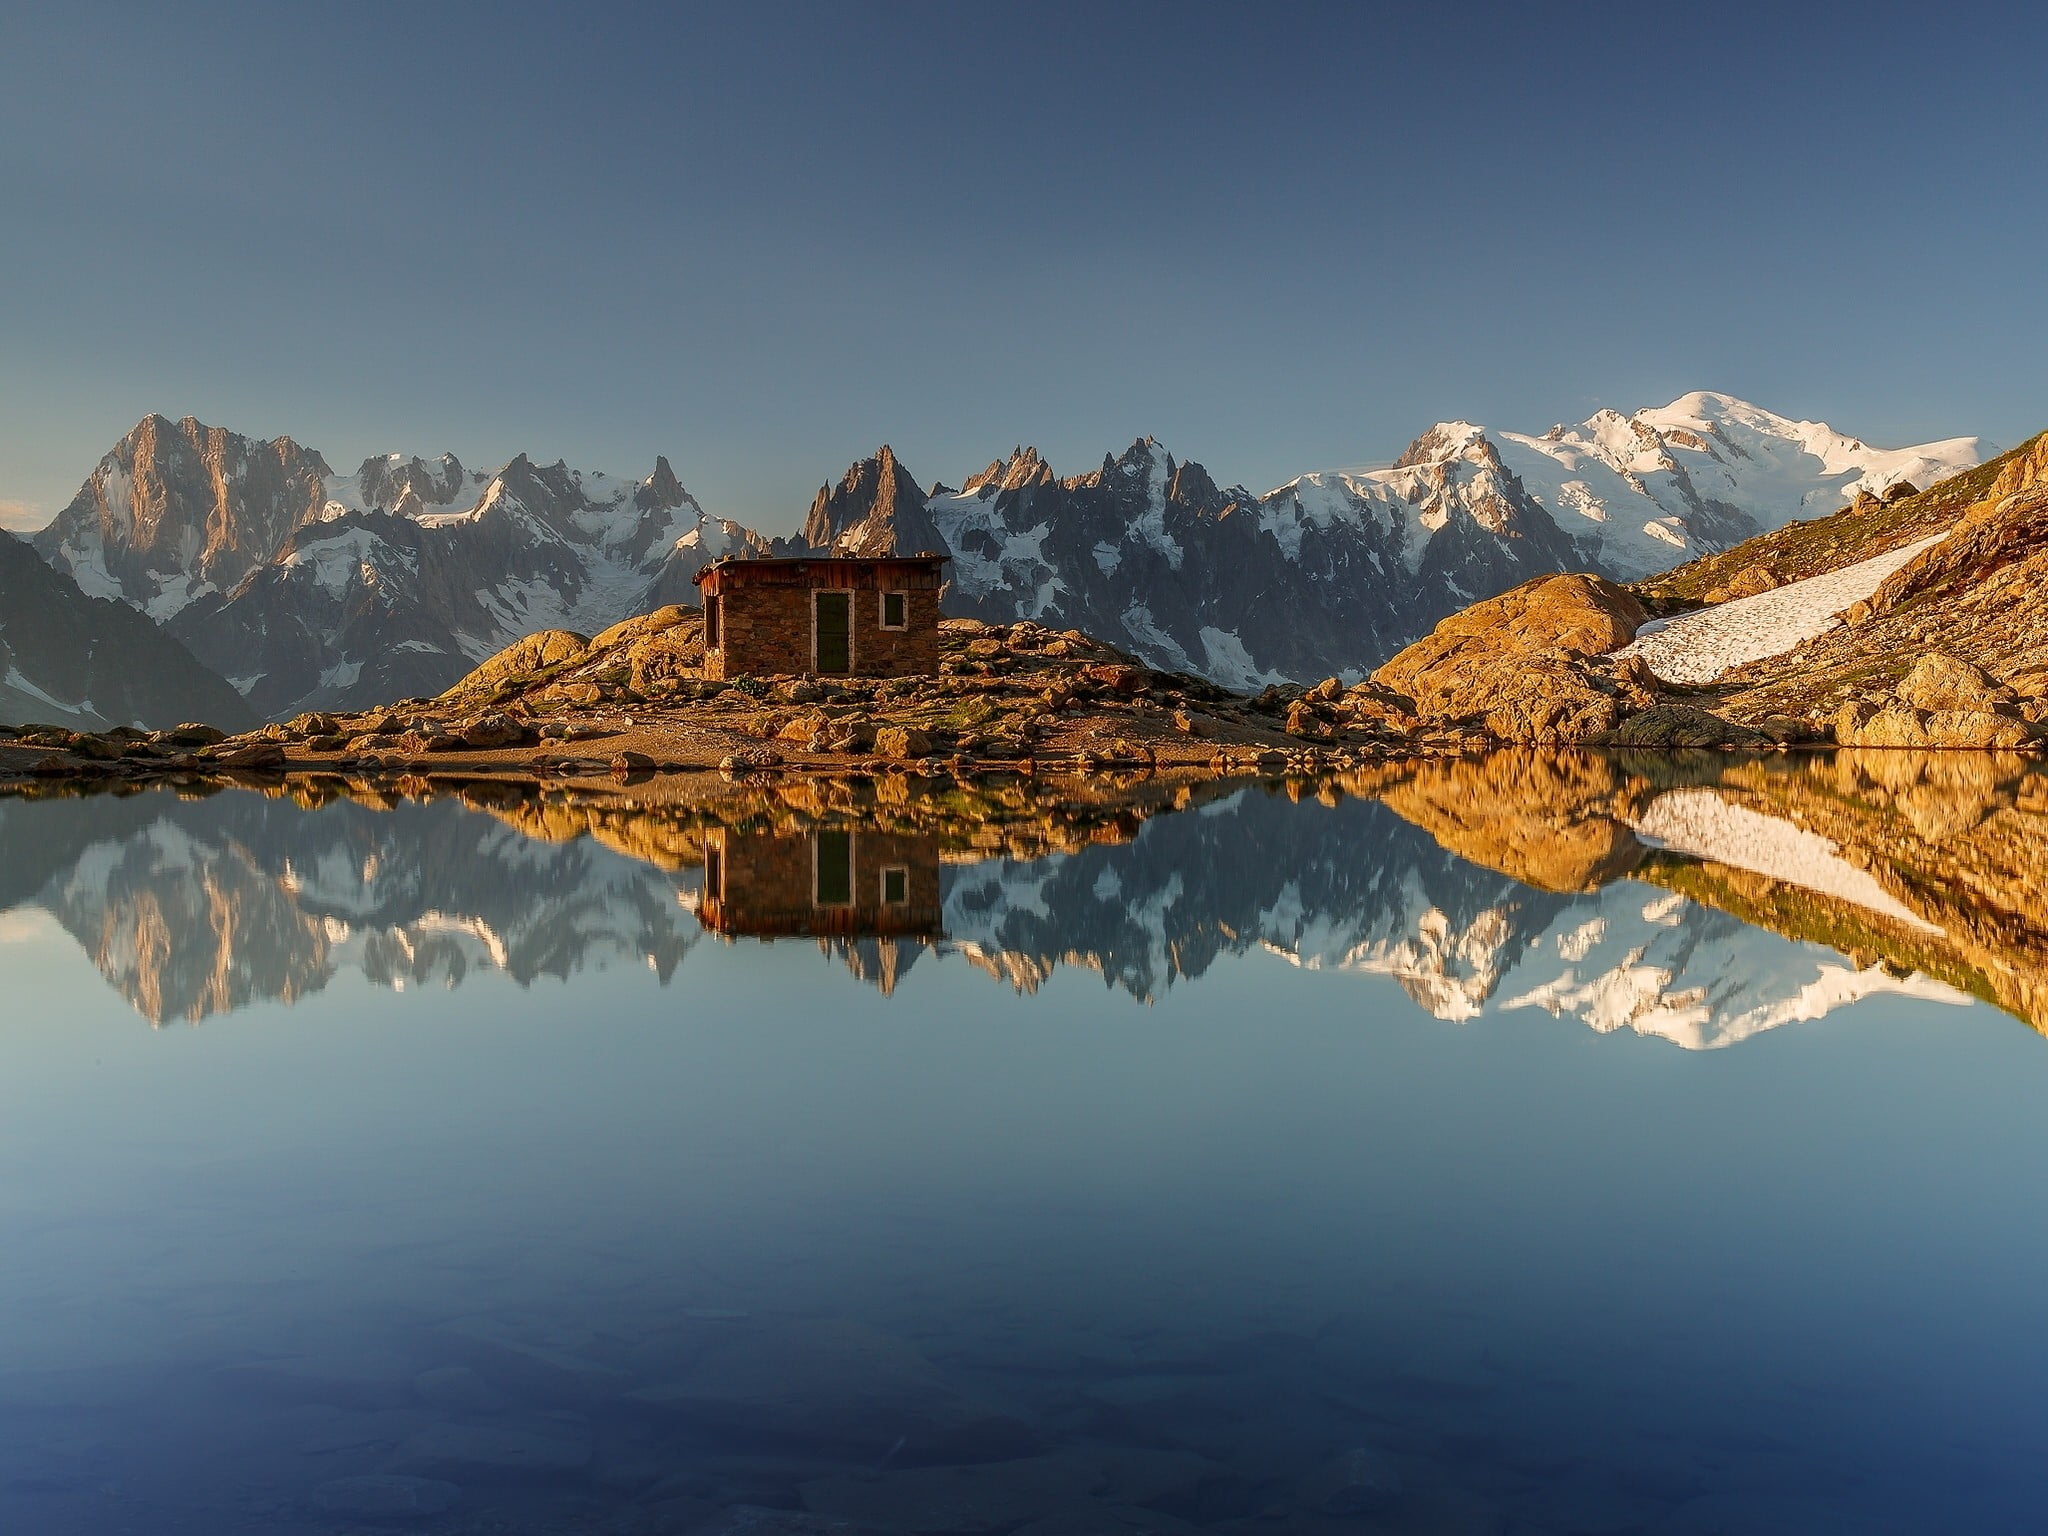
x: 835, y: 618
x: 835, y: 869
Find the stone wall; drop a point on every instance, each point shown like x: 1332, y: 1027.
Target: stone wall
x: 766, y: 625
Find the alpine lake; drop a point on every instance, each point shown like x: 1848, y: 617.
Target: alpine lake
x: 1535, y: 1145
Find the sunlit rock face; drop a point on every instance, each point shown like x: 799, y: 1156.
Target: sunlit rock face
x: 309, y: 589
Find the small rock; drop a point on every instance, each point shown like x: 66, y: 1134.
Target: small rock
x: 193, y: 733
x: 624, y: 763
x: 85, y: 744
x: 491, y: 731
x: 256, y: 754
x: 900, y: 741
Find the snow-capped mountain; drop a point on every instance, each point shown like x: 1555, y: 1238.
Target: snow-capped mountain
x: 1355, y: 888
x: 88, y: 663
x: 195, y: 908
x: 311, y: 590
x: 1334, y: 572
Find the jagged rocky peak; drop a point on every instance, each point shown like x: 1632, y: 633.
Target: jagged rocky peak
x: 1445, y: 440
x: 404, y: 485
x: 661, y: 491
x: 1023, y: 467
x: 878, y: 508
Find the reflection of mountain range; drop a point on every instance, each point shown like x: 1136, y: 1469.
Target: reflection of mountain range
x: 1357, y: 888
x: 1702, y: 902
x: 191, y: 908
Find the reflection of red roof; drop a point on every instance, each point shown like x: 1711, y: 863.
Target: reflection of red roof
x: 776, y: 568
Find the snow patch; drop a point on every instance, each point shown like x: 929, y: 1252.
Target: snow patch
x: 1699, y: 647
x: 1701, y: 823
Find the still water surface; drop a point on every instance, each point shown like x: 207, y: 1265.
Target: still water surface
x: 1267, y: 1167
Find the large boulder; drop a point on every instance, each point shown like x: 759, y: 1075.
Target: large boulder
x: 1575, y: 614
x: 1860, y: 724
x: 639, y: 627
x: 521, y: 659
x: 1944, y: 683
x: 492, y: 731
x: 1521, y: 666
x: 900, y: 741
x: 1683, y: 725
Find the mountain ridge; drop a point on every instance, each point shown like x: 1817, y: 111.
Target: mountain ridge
x: 310, y: 589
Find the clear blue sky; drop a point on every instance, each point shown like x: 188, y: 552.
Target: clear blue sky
x: 763, y: 239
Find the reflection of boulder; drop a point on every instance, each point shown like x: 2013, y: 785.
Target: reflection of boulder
x: 1554, y: 820
x: 826, y: 882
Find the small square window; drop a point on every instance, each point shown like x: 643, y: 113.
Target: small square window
x: 895, y: 610
x: 896, y: 886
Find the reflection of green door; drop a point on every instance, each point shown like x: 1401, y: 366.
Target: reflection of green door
x: 835, y: 869
x: 835, y: 614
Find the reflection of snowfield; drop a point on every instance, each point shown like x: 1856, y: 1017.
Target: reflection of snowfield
x: 1699, y: 647
x: 1700, y: 823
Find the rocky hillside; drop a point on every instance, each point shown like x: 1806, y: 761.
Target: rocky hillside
x: 86, y: 662
x: 1916, y: 620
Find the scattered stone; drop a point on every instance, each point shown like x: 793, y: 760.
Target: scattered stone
x: 624, y: 763
x: 195, y: 734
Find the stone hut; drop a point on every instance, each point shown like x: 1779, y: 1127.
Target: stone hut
x: 825, y: 615
x: 838, y: 882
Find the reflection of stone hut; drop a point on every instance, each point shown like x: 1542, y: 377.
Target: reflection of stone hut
x: 842, y: 882
x: 829, y: 615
